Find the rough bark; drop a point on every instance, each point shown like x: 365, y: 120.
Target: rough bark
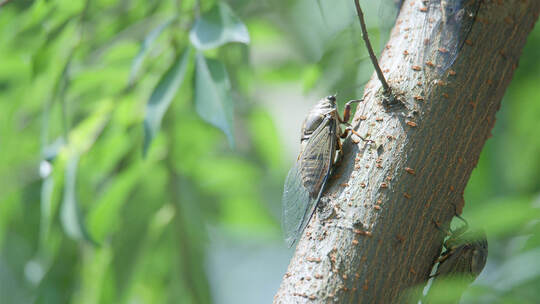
x: 373, y: 238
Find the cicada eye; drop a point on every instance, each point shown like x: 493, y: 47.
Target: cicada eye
x: 331, y: 98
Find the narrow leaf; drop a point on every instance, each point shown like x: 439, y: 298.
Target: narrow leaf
x: 212, y: 99
x: 217, y: 27
x: 102, y: 219
x: 70, y: 215
x: 146, y: 45
x: 162, y: 96
x: 47, y: 187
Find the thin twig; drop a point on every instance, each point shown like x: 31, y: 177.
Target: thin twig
x: 387, y: 91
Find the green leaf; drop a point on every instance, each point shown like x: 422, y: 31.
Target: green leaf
x: 314, y: 31
x: 104, y: 216
x: 268, y: 146
x: 146, y: 45
x: 217, y: 27
x: 70, y: 215
x: 44, y: 54
x: 162, y: 96
x: 46, y: 194
x: 87, y: 132
x: 212, y: 99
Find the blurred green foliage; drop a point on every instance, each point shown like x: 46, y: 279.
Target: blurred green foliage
x: 142, y: 159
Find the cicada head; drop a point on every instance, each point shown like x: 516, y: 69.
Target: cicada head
x: 331, y: 99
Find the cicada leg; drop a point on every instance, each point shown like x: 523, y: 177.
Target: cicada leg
x: 456, y: 232
x: 464, y: 221
x: 448, y: 252
x: 350, y: 130
x: 345, y: 120
x: 339, y: 145
x: 452, y: 236
x: 347, y: 110
x: 339, y: 151
x: 439, y: 227
x: 445, y: 256
x: 441, y: 259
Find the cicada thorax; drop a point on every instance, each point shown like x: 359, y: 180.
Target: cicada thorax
x: 325, y: 108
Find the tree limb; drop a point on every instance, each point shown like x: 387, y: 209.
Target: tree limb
x: 373, y: 237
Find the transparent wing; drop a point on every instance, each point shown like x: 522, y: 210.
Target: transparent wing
x: 467, y: 256
x: 446, y: 36
x: 296, y: 202
x: 458, y: 263
x: 306, y: 180
x: 456, y: 269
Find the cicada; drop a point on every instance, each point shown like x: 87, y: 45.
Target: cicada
x: 320, y: 144
x: 463, y: 258
x: 465, y: 255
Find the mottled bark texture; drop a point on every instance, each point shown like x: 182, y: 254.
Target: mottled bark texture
x: 373, y: 237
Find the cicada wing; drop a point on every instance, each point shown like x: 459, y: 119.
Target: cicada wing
x: 462, y: 263
x: 446, y: 37
x: 305, y: 181
x: 480, y: 255
x: 296, y: 202
x: 458, y: 263
x: 466, y: 260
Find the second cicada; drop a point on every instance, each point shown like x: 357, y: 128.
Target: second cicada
x: 464, y: 256
x: 320, y: 143
x: 463, y: 259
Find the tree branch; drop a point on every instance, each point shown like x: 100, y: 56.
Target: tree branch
x: 373, y: 237
x: 386, y: 88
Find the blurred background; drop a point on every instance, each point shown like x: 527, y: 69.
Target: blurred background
x: 144, y: 145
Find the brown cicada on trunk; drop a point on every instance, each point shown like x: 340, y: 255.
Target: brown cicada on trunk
x: 320, y: 140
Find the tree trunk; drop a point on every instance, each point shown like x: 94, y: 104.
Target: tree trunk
x: 373, y: 236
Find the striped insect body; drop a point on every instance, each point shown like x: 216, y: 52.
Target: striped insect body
x: 463, y: 258
x: 465, y: 255
x: 461, y: 261
x: 320, y: 145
